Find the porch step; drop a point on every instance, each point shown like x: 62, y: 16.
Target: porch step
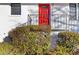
x: 59, y: 30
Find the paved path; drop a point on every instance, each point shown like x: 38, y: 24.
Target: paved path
x: 53, y: 39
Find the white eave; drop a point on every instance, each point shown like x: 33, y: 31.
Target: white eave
x: 39, y: 1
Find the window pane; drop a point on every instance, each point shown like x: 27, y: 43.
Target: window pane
x: 15, y: 9
x: 72, y: 11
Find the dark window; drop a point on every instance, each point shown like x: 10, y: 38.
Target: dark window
x: 72, y: 11
x: 15, y: 9
x: 78, y: 11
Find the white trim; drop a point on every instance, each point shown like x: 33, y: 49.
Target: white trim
x: 15, y: 15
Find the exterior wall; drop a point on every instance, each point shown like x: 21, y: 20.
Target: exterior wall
x: 59, y: 17
x: 32, y: 10
x: 8, y: 21
x: 4, y: 19
x: 59, y: 14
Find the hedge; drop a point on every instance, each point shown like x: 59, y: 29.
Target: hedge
x: 30, y: 41
x: 67, y: 42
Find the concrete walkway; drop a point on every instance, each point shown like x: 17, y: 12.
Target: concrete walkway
x: 54, y: 39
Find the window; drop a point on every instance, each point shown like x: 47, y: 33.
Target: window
x: 15, y: 9
x: 44, y: 7
x: 78, y: 11
x: 72, y: 11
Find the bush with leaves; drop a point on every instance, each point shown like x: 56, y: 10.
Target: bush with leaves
x: 67, y: 42
x: 44, y: 28
x: 30, y: 42
x: 8, y: 49
x: 5, y: 48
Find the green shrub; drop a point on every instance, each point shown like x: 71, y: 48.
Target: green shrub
x: 67, y: 42
x: 76, y: 52
x: 29, y: 42
x: 5, y: 48
x: 44, y: 28
x: 8, y: 49
x: 34, y: 27
x: 50, y: 52
x: 59, y: 50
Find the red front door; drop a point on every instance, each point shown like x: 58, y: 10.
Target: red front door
x: 44, y: 12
